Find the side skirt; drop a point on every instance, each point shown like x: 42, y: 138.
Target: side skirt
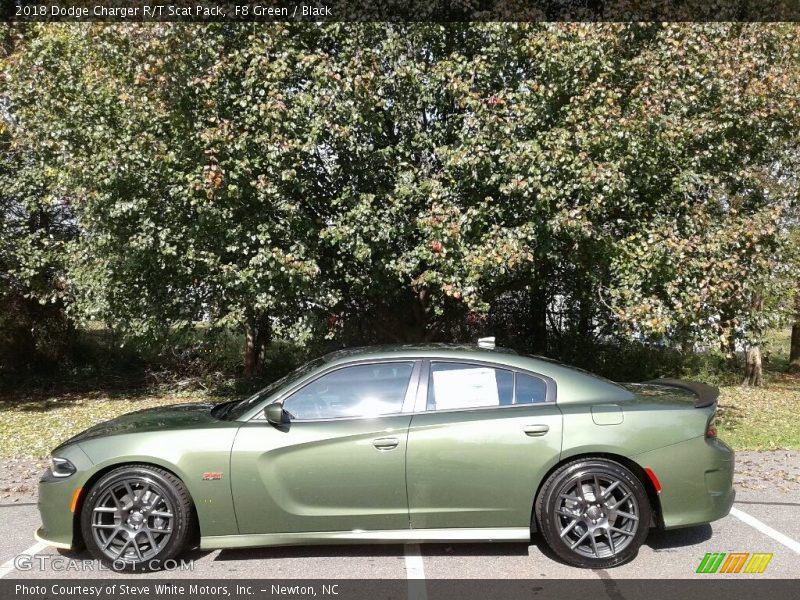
x: 394, y: 536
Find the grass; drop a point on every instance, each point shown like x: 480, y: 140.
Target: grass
x: 31, y: 426
x: 766, y: 418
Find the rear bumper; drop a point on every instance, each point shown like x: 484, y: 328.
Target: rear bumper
x: 696, y: 479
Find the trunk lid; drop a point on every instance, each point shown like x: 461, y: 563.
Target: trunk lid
x: 703, y: 394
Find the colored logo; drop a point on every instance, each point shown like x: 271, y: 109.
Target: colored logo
x: 735, y: 562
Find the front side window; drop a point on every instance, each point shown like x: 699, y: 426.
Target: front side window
x: 461, y: 385
x: 357, y: 391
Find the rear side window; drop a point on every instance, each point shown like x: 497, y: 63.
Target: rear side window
x: 529, y: 390
x: 461, y: 385
x: 454, y: 386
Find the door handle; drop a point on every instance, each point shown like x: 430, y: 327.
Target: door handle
x: 535, y: 430
x: 387, y: 443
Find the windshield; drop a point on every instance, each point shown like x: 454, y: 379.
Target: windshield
x: 235, y: 409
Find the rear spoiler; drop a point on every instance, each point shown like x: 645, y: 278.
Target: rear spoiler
x: 706, y: 394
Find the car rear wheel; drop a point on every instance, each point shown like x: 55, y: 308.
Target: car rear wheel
x: 593, y: 513
x: 136, y: 518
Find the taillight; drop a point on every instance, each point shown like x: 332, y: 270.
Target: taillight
x: 711, y: 427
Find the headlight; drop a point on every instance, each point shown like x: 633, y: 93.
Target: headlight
x: 61, y: 467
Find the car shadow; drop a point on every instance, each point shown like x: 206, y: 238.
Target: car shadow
x: 678, y: 538
x: 84, y: 554
x: 657, y: 540
x: 326, y: 551
x: 373, y: 550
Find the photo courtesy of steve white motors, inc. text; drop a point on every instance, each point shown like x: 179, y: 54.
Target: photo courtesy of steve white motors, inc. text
x: 169, y: 589
x: 206, y: 10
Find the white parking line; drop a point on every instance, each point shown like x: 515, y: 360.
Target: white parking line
x: 766, y: 529
x: 415, y: 573
x: 10, y: 564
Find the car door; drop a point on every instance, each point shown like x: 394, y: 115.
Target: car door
x: 338, y: 464
x: 479, y: 445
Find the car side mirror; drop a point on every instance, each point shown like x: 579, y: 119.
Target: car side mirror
x: 275, y: 414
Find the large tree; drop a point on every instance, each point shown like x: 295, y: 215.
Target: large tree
x: 415, y: 180
x: 35, y: 224
x: 180, y: 151
x: 614, y: 177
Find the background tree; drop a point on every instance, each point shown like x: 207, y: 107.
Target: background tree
x: 562, y: 185
x: 179, y: 151
x: 35, y: 223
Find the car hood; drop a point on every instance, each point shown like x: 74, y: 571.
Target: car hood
x: 176, y: 416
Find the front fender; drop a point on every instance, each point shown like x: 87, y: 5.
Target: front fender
x: 190, y: 455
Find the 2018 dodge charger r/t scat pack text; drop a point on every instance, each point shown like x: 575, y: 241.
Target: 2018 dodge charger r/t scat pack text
x: 398, y: 444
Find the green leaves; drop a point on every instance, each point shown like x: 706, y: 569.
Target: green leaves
x: 627, y: 177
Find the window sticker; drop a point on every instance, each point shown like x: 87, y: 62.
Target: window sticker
x: 465, y: 388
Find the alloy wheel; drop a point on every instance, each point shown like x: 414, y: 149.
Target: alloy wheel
x: 132, y: 520
x: 597, y: 515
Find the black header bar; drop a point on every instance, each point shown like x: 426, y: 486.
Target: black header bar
x: 138, y: 11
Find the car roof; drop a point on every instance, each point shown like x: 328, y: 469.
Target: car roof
x: 574, y: 385
x: 431, y: 349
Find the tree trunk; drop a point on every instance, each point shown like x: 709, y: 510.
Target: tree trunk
x: 257, y: 334
x: 420, y: 310
x: 728, y: 344
x: 753, y: 373
x: 585, y: 311
x: 250, y: 350
x: 538, y: 314
x: 263, y: 336
x: 794, y: 347
x: 794, y: 351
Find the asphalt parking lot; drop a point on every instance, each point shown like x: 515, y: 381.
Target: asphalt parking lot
x: 766, y: 519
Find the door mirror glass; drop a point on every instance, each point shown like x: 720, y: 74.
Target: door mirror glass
x: 275, y: 414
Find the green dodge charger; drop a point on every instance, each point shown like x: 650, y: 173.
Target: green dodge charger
x: 397, y: 444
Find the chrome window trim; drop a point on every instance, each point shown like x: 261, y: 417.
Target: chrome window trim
x: 419, y: 384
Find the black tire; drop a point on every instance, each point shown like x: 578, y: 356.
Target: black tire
x: 590, y: 530
x: 137, y: 517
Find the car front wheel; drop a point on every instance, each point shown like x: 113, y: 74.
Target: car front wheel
x: 593, y: 513
x: 137, y: 517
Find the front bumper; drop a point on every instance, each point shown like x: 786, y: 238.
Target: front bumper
x: 57, y: 527
x: 56, y: 497
x: 39, y: 537
x: 696, y: 479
